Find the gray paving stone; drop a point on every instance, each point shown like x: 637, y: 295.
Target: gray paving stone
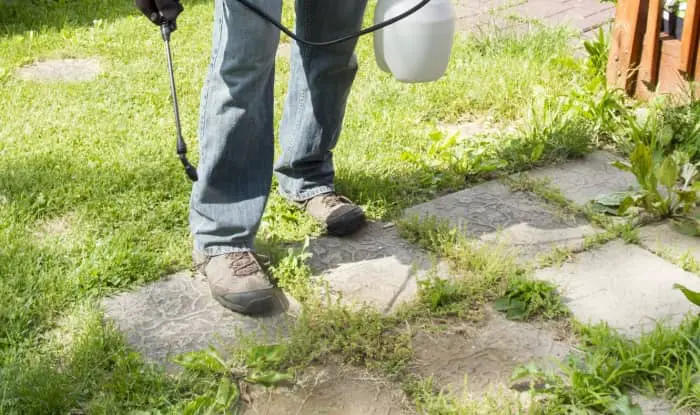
x: 177, y: 314
x: 487, y: 354
x: 624, y: 285
x: 491, y: 212
x: 582, y: 180
x: 67, y: 70
x: 663, y: 239
x: 375, y: 266
x: 656, y: 406
x: 581, y: 17
x: 584, y: 15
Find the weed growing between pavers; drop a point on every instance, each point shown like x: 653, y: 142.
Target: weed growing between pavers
x: 664, y: 361
x: 626, y: 230
x: 482, y: 272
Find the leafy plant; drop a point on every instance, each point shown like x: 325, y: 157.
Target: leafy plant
x: 527, y: 298
x: 692, y: 296
x: 442, y: 296
x: 674, y: 173
x: 597, y: 49
x: 667, y: 180
x: 450, y: 158
x: 220, y: 379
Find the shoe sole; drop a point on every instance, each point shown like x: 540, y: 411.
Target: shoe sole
x: 250, y: 303
x: 346, y: 224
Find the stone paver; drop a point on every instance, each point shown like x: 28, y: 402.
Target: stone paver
x: 584, y: 15
x: 656, y: 406
x: 67, y: 70
x: 485, y: 356
x: 582, y: 180
x: 491, y: 212
x: 663, y: 239
x: 625, y: 285
x: 177, y: 314
x: 375, y: 266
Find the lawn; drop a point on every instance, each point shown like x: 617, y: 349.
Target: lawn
x: 93, y: 200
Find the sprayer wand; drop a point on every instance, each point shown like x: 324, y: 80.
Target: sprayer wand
x: 166, y: 29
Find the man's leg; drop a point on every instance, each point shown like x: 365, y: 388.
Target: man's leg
x: 320, y: 82
x: 237, y: 150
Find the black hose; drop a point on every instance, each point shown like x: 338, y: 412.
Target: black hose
x: 255, y: 9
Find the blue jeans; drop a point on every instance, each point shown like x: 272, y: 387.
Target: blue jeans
x: 236, y: 116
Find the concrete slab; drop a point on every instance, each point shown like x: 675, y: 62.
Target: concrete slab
x: 177, y: 315
x: 582, y: 180
x: 584, y: 15
x: 656, y: 406
x: 663, y: 239
x: 624, y: 285
x: 481, y: 359
x: 492, y: 213
x: 375, y: 266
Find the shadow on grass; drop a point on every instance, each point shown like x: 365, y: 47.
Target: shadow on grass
x: 18, y: 16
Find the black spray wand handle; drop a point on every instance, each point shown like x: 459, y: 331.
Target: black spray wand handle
x: 166, y: 29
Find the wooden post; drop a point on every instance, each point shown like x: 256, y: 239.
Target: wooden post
x: 649, y: 66
x: 689, y: 41
x: 626, y: 46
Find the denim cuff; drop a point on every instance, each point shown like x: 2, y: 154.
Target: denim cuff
x: 221, y: 250
x: 306, y: 194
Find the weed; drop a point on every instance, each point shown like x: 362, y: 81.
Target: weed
x: 558, y: 256
x: 453, y: 158
x: 543, y: 188
x: 483, y: 272
x: 664, y: 359
x: 692, y: 296
x: 293, y: 273
x: 598, y: 50
x: 689, y: 263
x: 526, y: 299
x: 359, y: 337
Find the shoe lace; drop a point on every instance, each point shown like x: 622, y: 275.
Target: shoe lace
x: 243, y: 263
x: 332, y: 200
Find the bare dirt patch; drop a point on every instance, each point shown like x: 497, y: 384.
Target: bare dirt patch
x: 478, y: 359
x: 65, y: 70
x: 59, y: 228
x: 332, y: 390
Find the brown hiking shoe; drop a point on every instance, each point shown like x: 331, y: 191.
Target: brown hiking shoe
x: 238, y: 282
x: 338, y: 213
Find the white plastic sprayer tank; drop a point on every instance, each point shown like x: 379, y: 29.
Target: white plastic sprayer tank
x: 417, y: 48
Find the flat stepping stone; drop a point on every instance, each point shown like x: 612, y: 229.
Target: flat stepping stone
x: 375, y: 266
x: 664, y: 240
x: 178, y: 314
x: 332, y: 390
x: 492, y: 212
x: 485, y: 356
x: 66, y: 70
x: 583, y: 15
x: 583, y: 180
x: 624, y: 285
x: 656, y: 406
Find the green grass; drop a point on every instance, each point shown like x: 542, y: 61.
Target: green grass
x: 664, y: 362
x: 93, y: 200
x: 480, y: 273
